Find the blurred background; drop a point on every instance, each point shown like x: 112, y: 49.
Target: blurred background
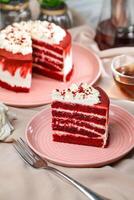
x: 113, y: 20
x: 87, y: 10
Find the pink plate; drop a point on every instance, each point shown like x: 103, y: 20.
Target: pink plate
x: 86, y: 68
x: 39, y: 138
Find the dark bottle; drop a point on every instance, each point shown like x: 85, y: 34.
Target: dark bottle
x: 13, y: 11
x: 116, y: 26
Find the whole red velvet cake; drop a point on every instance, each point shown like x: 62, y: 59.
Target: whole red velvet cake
x: 37, y: 46
x: 80, y: 115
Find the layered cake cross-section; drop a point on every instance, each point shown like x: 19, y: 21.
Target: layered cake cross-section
x: 37, y: 46
x: 52, y: 51
x: 80, y: 115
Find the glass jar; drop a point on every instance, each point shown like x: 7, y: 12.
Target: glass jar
x: 116, y: 25
x: 13, y: 11
x: 60, y: 15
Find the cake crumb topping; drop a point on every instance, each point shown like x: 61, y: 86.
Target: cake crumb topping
x: 82, y: 93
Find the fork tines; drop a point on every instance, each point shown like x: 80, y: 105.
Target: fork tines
x: 28, y: 155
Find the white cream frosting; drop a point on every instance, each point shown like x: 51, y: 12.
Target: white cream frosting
x: 5, y: 126
x: 81, y: 94
x: 47, y: 32
x: 68, y: 63
x: 17, y: 38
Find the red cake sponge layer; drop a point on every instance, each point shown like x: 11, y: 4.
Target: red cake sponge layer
x: 72, y: 139
x: 14, y: 88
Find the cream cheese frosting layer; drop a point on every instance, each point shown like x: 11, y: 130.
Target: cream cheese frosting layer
x: 81, y: 94
x: 17, y: 38
x: 47, y: 32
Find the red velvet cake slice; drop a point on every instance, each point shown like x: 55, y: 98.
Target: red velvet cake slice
x: 52, y: 50
x: 15, y: 58
x: 80, y: 115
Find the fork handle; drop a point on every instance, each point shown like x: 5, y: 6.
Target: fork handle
x: 88, y: 192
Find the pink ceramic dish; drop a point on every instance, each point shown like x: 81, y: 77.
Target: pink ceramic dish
x: 87, y: 67
x: 39, y: 137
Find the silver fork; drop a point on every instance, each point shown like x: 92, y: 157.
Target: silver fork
x: 35, y: 161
